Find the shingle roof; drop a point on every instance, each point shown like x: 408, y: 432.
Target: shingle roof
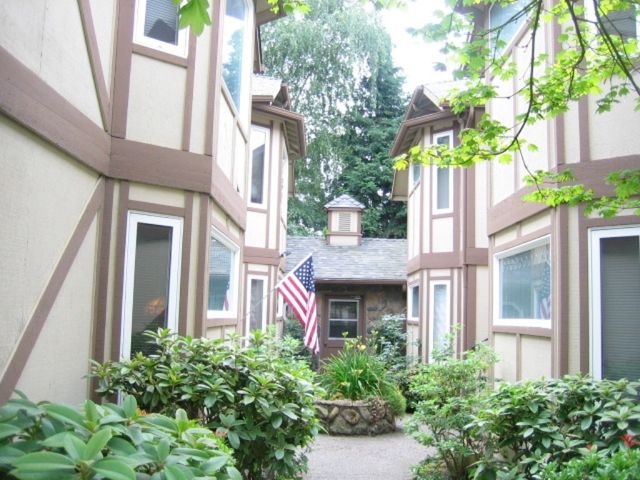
x: 438, y: 92
x: 344, y: 201
x: 376, y: 259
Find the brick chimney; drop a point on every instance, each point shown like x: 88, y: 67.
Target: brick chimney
x: 344, y: 221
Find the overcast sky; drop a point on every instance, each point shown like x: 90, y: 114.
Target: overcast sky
x: 412, y: 54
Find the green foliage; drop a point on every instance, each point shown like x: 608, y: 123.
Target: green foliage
x: 450, y: 390
x: 294, y: 330
x: 356, y: 373
x: 388, y: 339
x: 623, y: 465
x: 351, y: 97
x: 524, y: 427
x: 55, y: 441
x: 259, y: 395
x: 591, y: 61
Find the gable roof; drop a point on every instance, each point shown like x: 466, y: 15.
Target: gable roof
x: 344, y: 201
x: 376, y: 260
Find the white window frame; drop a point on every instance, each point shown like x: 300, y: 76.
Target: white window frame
x: 595, y: 302
x: 414, y: 178
x: 434, y: 170
x: 140, y: 38
x: 432, y: 308
x: 172, y: 303
x: 410, y: 302
x: 509, y: 44
x: 263, y: 305
x: 343, y: 300
x: 519, y: 322
x: 233, y: 277
x: 267, y: 159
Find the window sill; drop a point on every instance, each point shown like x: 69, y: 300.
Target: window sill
x: 161, y: 55
x: 540, y: 329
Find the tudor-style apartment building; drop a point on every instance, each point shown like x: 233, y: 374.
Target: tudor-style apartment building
x: 134, y: 190
x: 553, y: 291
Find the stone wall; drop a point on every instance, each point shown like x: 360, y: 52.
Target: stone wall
x: 356, y: 417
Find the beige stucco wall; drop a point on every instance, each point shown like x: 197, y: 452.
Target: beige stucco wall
x: 156, y: 109
x: 536, y: 222
x: 103, y: 13
x: 153, y: 194
x: 256, y: 235
x: 43, y: 193
x: 343, y: 240
x: 536, y: 357
x: 615, y: 133
x: 68, y: 330
x: 506, y: 349
x: 42, y: 34
x: 442, y: 235
x: 201, y: 82
x: 224, y: 155
x: 482, y: 304
x: 480, y: 205
x: 413, y: 224
x: 571, y: 124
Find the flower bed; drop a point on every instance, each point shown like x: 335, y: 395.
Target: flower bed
x: 356, y: 417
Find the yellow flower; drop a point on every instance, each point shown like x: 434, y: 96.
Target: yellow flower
x: 362, y: 347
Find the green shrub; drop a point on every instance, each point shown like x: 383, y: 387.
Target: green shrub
x: 293, y: 329
x: 622, y: 465
x: 356, y: 373
x: 388, y: 339
x: 523, y: 427
x: 259, y: 395
x: 54, y: 441
x: 450, y: 390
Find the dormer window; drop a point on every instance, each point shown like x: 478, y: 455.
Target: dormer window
x: 235, y: 50
x: 157, y: 27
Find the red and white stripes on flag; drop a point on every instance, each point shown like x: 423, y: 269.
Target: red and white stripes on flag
x: 298, y: 289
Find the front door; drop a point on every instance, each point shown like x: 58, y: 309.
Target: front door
x: 615, y: 303
x: 342, y: 320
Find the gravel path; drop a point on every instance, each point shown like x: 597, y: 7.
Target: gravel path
x: 385, y: 457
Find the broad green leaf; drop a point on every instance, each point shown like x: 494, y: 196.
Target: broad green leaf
x: 276, y: 421
x: 233, y: 474
x: 234, y: 439
x: 96, y: 444
x: 177, y: 472
x: 65, y: 414
x: 195, y: 14
x: 75, y: 447
x: 279, y: 454
x: 214, y: 464
x: 113, y: 469
x: 43, y: 462
x: 163, y: 449
x: 8, y: 430
x: 585, y: 423
x: 130, y: 406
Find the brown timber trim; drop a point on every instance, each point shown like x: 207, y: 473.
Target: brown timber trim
x: 261, y: 210
x: 122, y: 67
x: 562, y: 291
x: 142, y: 162
x: 583, y: 129
x: 469, y: 292
x: 96, y: 66
x: 530, y: 331
x: 160, y: 55
x: 148, y: 207
x: 34, y: 326
x: 102, y: 286
x: 471, y: 256
x: 185, y: 267
x: 28, y: 100
x: 262, y: 256
x: 511, y: 211
x: 118, y: 290
x: 407, y: 126
x: 188, y: 98
x: 287, y: 116
x: 203, y: 255
x: 215, y: 66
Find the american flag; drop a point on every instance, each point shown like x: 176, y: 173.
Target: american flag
x: 298, y: 289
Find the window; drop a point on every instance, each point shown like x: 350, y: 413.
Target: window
x: 625, y: 23
x: 439, y: 314
x: 615, y: 302
x: 259, y: 149
x: 443, y: 188
x: 507, y: 19
x: 256, y: 303
x: 414, y: 174
x: 414, y: 301
x: 156, y: 26
x: 151, y: 279
x: 223, y: 267
x: 343, y: 319
x: 344, y: 221
x: 524, y: 285
x: 235, y: 49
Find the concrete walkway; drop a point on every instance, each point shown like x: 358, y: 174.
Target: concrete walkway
x: 385, y: 457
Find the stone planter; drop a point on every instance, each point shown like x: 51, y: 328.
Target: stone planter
x: 356, y: 417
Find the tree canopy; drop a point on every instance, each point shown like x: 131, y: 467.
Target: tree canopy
x: 350, y: 94
x: 598, y: 54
